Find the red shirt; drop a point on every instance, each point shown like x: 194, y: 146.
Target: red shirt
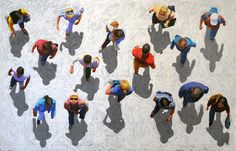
x: 149, y: 60
x: 39, y: 44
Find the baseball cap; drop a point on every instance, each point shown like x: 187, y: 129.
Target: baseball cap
x: 214, y: 19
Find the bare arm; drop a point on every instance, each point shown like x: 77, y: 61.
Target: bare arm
x: 78, y: 21
x: 58, y: 21
x: 9, y: 72
x: 108, y: 90
x: 26, y: 84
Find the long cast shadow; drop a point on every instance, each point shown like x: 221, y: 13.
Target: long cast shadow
x: 18, y: 43
x: 109, y: 57
x: 141, y: 84
x: 47, y: 72
x: 216, y: 131
x: 164, y: 128
x: 19, y: 101
x: 184, y: 70
x: 190, y: 117
x: 211, y: 52
x: 77, y: 132
x: 91, y: 87
x: 41, y: 132
x: 114, y: 113
x: 159, y: 39
x: 73, y: 41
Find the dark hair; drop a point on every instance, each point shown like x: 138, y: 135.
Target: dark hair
x: 223, y: 100
x: 20, y: 70
x: 87, y: 59
x: 47, y: 99
x: 146, y: 48
x: 165, y: 100
x: 47, y: 46
x: 119, y: 33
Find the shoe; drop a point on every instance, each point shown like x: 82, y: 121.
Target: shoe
x: 38, y: 122
x: 70, y: 127
x: 210, y: 123
x: 152, y: 115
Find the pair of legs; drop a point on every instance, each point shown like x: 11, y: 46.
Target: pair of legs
x: 156, y: 109
x: 211, y: 115
x: 13, y: 82
x: 87, y: 73
x: 212, y: 33
x: 106, y: 42
x: 69, y: 28
x: 183, y: 56
x: 137, y: 65
x: 22, y: 26
x: 41, y: 117
x: 43, y: 59
x: 82, y: 114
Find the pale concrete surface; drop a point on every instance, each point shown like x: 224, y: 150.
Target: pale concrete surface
x: 128, y: 126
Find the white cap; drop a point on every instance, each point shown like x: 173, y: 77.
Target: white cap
x: 214, y: 19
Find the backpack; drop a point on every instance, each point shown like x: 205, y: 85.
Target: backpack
x: 15, y: 16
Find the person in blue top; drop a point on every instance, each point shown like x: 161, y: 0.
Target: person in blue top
x: 192, y: 92
x: 183, y: 44
x: 120, y: 88
x: 72, y: 16
x: 44, y: 104
x: 163, y: 100
x: 212, y: 20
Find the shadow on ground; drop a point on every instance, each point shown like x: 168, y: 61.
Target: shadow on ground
x: 91, y: 87
x: 159, y: 39
x: 47, y: 72
x: 184, y: 70
x: 18, y: 43
x: 164, y: 128
x: 141, y: 84
x: 41, y: 132
x: 189, y: 116
x: 216, y: 131
x: 211, y: 52
x: 77, y: 132
x: 73, y: 42
x: 19, y: 101
x: 109, y: 57
x: 113, y: 118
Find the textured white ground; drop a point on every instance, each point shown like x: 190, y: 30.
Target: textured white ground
x: 108, y: 125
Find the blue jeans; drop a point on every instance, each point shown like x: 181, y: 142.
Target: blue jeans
x: 211, y: 115
x: 13, y: 82
x: 21, y: 25
x: 43, y: 59
x: 184, y: 56
x: 82, y: 113
x: 212, y: 33
x: 41, y: 116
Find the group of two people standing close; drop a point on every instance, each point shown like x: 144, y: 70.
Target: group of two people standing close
x: 163, y: 15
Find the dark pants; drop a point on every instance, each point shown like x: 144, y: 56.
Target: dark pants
x: 87, y: 72
x: 156, y: 109
x: 155, y: 20
x: 106, y: 42
x: 21, y: 25
x: 43, y: 59
x: 13, y: 82
x: 211, y: 115
x: 120, y: 97
x: 82, y: 113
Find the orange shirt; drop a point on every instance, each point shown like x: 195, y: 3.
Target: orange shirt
x: 149, y: 60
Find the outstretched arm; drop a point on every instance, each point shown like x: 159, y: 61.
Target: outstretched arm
x: 58, y: 21
x: 10, y: 71
x: 108, y: 90
x: 78, y: 21
x: 26, y: 84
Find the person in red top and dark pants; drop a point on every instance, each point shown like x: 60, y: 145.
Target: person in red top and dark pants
x: 143, y: 58
x: 45, y: 49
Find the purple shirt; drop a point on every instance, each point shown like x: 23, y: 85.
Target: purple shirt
x: 21, y: 78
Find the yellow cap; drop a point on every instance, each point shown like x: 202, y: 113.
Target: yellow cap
x: 68, y: 10
x: 124, y: 84
x: 23, y: 11
x: 164, y: 10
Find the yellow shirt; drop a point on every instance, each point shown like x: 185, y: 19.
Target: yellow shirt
x: 156, y: 9
x: 10, y: 22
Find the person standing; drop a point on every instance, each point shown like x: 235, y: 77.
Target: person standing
x: 212, y: 20
x: 72, y: 17
x: 165, y: 101
x: 45, y: 49
x: 19, y: 17
x: 88, y: 63
x: 143, y: 58
x: 183, y: 44
x: 18, y: 76
x: 75, y: 106
x: 218, y: 103
x: 192, y: 92
x: 44, y: 104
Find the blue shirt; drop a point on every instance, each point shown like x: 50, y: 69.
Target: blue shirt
x: 71, y: 20
x: 186, y: 89
x: 190, y: 44
x: 160, y: 95
x: 116, y: 89
x: 40, y: 106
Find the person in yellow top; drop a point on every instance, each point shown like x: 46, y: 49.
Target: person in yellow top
x: 163, y: 15
x: 19, y: 17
